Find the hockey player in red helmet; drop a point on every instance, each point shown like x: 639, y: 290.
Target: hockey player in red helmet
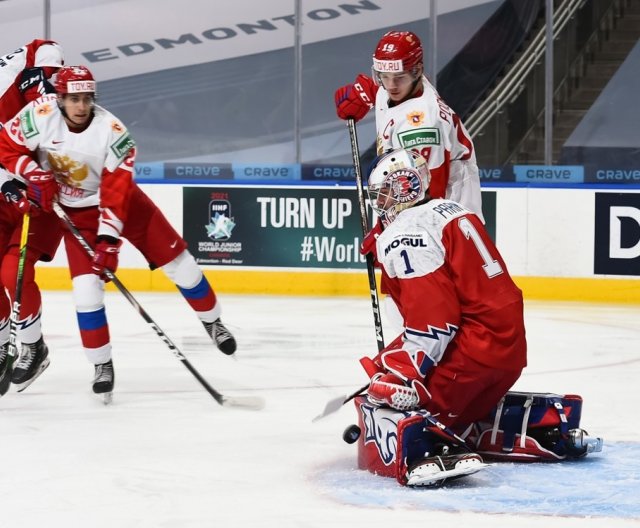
x: 24, y: 77
x: 397, y: 64
x: 411, y: 114
x: 76, y: 89
x: 75, y: 79
x: 91, y: 154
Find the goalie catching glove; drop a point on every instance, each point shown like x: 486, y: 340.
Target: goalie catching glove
x: 397, y: 379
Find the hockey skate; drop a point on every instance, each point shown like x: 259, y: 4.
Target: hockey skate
x: 103, y: 381
x: 5, y: 377
x: 435, y: 471
x: 579, y: 443
x: 4, y: 354
x: 34, y: 359
x: 221, y: 336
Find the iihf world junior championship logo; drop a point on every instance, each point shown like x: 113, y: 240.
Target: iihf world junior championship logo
x: 221, y: 222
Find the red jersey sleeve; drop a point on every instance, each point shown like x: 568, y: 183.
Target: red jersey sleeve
x: 115, y: 193
x: 14, y: 154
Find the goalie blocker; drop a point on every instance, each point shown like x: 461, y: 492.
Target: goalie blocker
x: 524, y: 427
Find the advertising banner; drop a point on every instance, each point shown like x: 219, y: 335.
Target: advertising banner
x: 273, y: 226
x: 301, y: 227
x: 549, y: 173
x: 617, y: 234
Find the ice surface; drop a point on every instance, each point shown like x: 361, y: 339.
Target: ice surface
x: 164, y: 454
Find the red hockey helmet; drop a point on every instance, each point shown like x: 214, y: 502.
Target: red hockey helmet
x: 75, y: 79
x: 396, y: 52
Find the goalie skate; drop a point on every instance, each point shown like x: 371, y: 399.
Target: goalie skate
x: 435, y: 471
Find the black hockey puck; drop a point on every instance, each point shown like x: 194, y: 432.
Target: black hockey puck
x: 351, y: 434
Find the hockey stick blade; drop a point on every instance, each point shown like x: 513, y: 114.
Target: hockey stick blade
x: 249, y: 403
x: 332, y: 406
x: 336, y: 403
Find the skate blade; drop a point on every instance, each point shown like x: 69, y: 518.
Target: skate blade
x: 439, y: 478
x: 107, y: 397
x: 43, y: 366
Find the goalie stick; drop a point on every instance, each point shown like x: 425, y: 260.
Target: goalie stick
x: 246, y: 402
x: 5, y: 375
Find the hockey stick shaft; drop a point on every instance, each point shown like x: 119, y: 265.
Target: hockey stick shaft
x: 222, y: 400
x: 5, y: 376
x: 336, y: 403
x: 373, y: 289
x: 364, y: 223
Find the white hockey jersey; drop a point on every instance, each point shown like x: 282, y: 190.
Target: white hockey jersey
x: 15, y: 90
x: 93, y: 167
x: 427, y: 125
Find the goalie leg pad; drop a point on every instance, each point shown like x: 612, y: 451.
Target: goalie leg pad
x: 378, y: 441
x: 529, y: 426
x: 392, y: 440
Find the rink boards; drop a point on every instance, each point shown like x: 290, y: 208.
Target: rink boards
x: 580, y: 243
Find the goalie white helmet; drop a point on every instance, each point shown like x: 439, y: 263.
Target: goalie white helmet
x: 398, y: 180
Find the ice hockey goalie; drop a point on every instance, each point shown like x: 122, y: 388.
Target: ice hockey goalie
x: 438, y: 403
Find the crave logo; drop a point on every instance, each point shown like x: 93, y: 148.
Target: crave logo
x: 617, y: 234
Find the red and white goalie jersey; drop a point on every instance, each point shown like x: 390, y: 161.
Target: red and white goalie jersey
x: 427, y: 126
x: 452, y: 287
x: 93, y: 167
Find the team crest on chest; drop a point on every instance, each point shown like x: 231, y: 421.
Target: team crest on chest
x: 44, y: 109
x: 68, y: 171
x: 415, y: 118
